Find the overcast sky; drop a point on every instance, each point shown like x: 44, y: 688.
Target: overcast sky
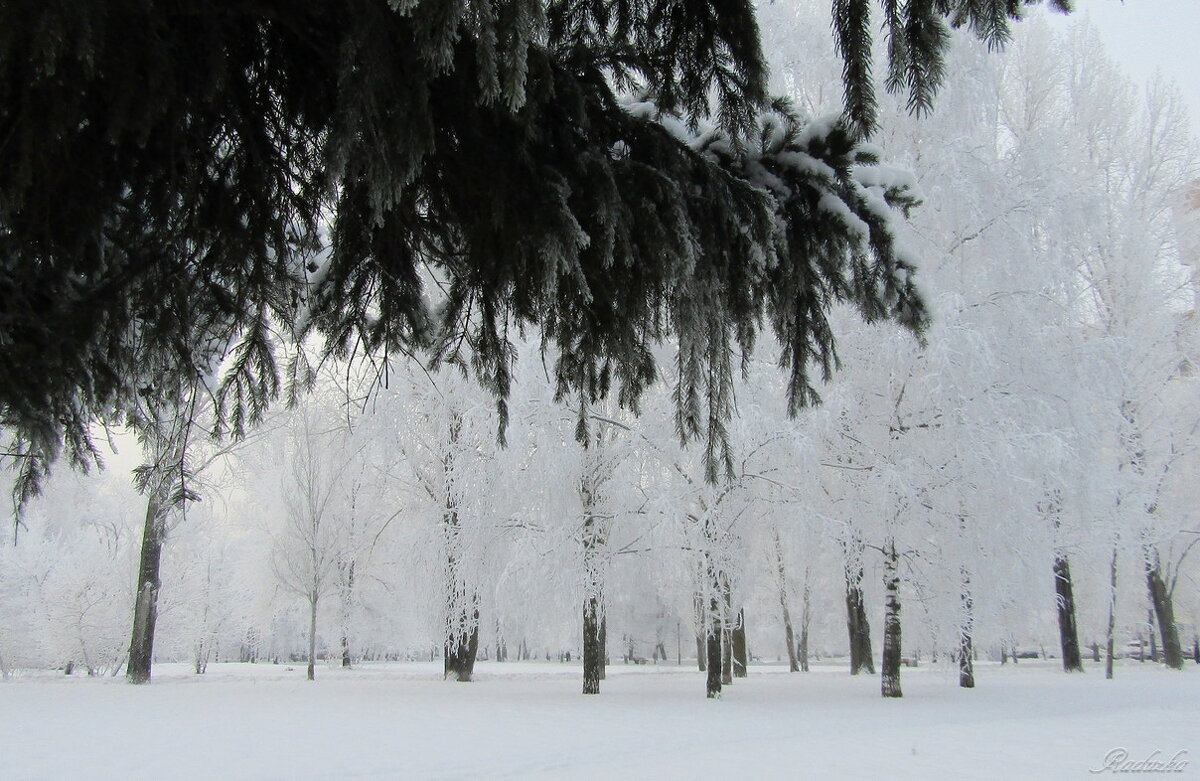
x: 1146, y: 35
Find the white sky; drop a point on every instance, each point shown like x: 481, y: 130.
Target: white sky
x: 1145, y: 35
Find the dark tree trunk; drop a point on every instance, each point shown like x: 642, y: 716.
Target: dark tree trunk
x: 462, y: 647
x: 726, y: 636
x: 1110, y: 635
x: 593, y: 648
x: 202, y: 651
x: 793, y: 659
x: 787, y: 618
x: 890, y: 683
x: 603, y: 643
x: 701, y: 623
x: 713, y: 649
x: 1153, y: 637
x: 1196, y: 648
x: 347, y: 603
x: 966, y: 666
x: 1068, y: 633
x: 726, y: 656
x: 145, y: 610
x: 805, y: 617
x: 594, y: 538
x: 856, y: 611
x: 859, y: 628
x: 1164, y: 609
x: 740, y: 656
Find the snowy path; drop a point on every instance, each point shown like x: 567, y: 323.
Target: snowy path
x: 528, y: 720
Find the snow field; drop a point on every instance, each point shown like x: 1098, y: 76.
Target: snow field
x: 528, y: 720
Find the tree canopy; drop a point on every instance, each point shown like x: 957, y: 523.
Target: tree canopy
x: 183, y: 185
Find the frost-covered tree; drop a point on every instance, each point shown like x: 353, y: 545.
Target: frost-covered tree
x: 449, y: 480
x: 975, y: 416
x: 179, y: 448
x: 306, y: 551
x: 598, y: 464
x: 166, y: 432
x: 65, y: 580
x: 205, y: 606
x: 1137, y: 161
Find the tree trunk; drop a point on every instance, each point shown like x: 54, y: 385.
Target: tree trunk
x: 793, y: 660
x: 805, y: 617
x: 701, y: 623
x: 1153, y: 637
x: 726, y: 635
x: 462, y: 647
x: 856, y: 611
x: 1164, y: 609
x: 201, y: 666
x: 145, y: 610
x: 1110, y: 634
x: 891, y: 623
x: 593, y: 650
x: 594, y: 538
x: 858, y: 626
x: 787, y: 618
x: 312, y: 635
x: 713, y: 650
x: 966, y: 666
x: 347, y: 608
x: 1068, y: 633
x: 603, y: 642
x: 740, y: 656
x: 726, y: 655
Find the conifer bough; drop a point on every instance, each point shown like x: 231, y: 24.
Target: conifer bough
x: 182, y: 184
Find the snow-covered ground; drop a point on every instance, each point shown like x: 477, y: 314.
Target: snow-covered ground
x: 528, y: 720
